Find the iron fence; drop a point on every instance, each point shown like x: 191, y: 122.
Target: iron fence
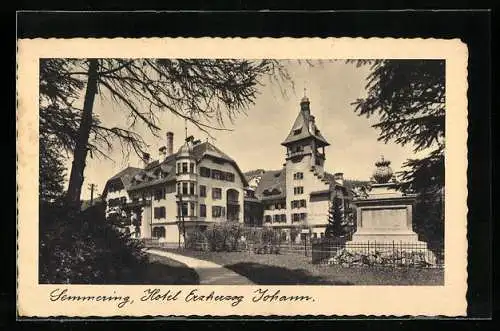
x: 386, y: 254
x: 339, y: 252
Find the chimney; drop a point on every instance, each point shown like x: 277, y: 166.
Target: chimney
x: 170, y: 143
x: 339, y: 178
x: 163, y: 152
x: 146, y: 158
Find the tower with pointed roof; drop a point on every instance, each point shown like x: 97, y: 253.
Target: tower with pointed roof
x: 305, y: 141
x: 305, y: 158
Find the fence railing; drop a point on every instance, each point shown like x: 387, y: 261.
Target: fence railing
x: 389, y: 254
x: 342, y: 253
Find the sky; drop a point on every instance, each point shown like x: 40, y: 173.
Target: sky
x: 255, y: 137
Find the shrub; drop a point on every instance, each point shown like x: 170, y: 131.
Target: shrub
x: 84, y: 249
x: 197, y: 240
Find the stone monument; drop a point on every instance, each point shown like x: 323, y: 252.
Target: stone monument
x: 384, y: 214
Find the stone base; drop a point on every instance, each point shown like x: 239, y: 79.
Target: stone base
x: 389, y: 243
x: 385, y: 237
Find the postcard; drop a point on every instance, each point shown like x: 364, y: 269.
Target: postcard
x: 241, y: 177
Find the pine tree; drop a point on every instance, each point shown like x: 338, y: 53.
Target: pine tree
x: 335, y: 226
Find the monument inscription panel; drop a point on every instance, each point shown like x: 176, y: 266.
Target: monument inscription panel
x: 384, y: 219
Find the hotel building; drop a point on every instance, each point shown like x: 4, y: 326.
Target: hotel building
x: 200, y: 185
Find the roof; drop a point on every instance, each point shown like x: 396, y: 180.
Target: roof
x: 125, y: 176
x: 253, y: 173
x: 199, y: 151
x: 302, y: 130
x: 272, y: 185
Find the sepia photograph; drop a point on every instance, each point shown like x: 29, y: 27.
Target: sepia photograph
x: 251, y: 177
x: 242, y: 171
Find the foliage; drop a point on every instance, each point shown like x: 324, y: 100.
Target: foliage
x: 227, y: 237
x: 337, y: 225
x: 197, y: 240
x: 89, y: 251
x: 391, y: 258
x: 409, y: 98
x: 51, y: 172
x: 205, y: 92
x: 224, y: 236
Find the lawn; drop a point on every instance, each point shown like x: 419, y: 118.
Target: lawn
x: 295, y: 269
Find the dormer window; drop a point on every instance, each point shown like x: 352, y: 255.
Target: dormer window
x: 297, y: 131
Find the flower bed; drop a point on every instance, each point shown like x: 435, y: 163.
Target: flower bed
x: 394, y: 258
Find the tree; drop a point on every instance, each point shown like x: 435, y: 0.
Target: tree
x: 205, y: 92
x: 335, y: 226
x: 409, y: 98
x: 51, y: 172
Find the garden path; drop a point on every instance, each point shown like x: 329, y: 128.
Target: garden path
x: 210, y: 273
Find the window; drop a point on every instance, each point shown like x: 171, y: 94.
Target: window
x: 184, y: 167
x: 277, y: 218
x: 298, y: 190
x: 303, y: 216
x: 203, y: 210
x: 191, y: 189
x: 159, y: 212
x: 203, y: 191
x: 216, y: 174
x: 295, y: 217
x: 315, y: 235
x: 178, y: 168
x: 216, y: 193
x: 267, y: 218
x: 297, y: 149
x: 298, y: 203
x: 322, y: 235
x: 192, y: 208
x: 159, y: 232
x: 283, y: 218
x: 185, y: 188
x: 218, y: 211
x: 204, y: 172
x: 179, y: 188
x: 182, y: 209
x: 229, y: 176
x: 159, y: 194
x: 191, y: 168
x: 297, y: 131
x: 298, y: 175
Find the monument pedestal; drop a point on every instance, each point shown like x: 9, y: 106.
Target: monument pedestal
x: 385, y: 222
x: 384, y: 216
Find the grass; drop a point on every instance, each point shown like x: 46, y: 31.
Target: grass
x: 296, y: 269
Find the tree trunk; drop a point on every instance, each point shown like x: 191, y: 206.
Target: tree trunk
x: 80, y: 152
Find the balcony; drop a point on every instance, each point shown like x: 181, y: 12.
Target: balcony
x: 138, y: 203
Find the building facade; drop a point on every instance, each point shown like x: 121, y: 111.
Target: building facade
x: 197, y: 186
x: 297, y: 197
x: 200, y: 185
